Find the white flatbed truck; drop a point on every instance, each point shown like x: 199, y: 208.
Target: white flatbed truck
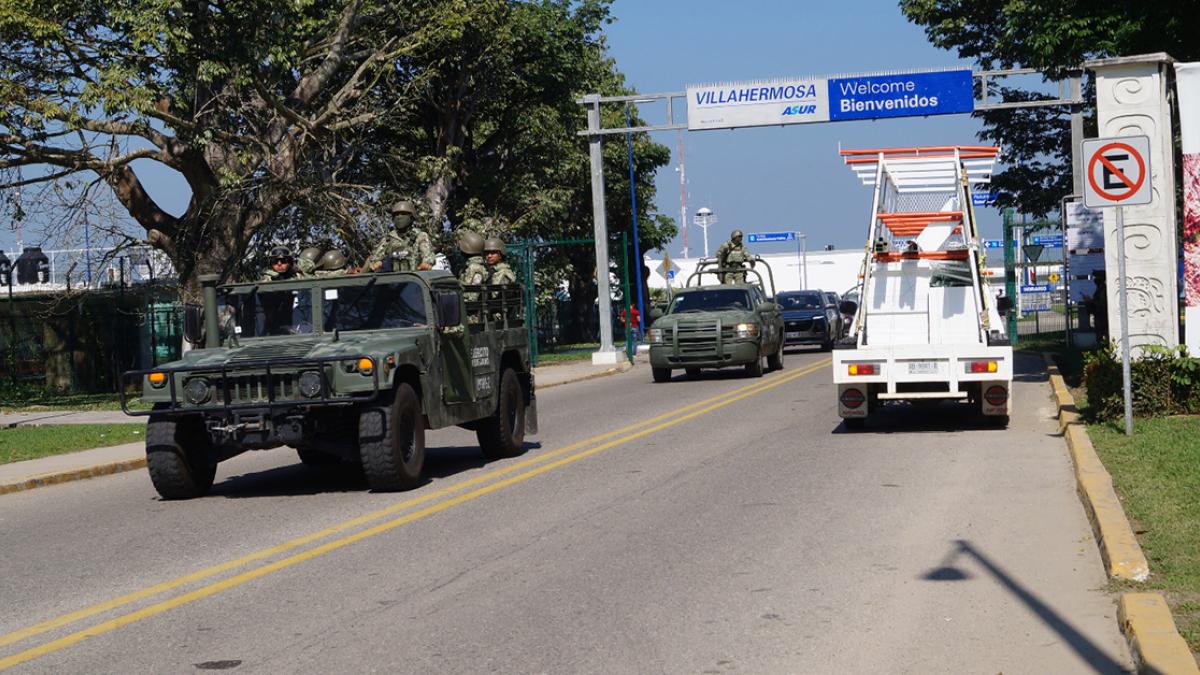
x: 927, y: 327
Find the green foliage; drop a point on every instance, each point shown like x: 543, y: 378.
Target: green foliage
x: 1163, y: 382
x: 1052, y: 36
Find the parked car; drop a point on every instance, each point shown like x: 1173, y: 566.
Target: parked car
x: 809, y: 318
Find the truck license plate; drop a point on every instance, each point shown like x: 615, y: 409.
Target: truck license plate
x: 922, y: 367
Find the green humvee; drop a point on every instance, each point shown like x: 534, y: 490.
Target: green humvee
x: 717, y: 325
x: 350, y: 368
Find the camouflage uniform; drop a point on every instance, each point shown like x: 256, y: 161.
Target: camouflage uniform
x: 502, y: 274
x: 408, y: 247
x: 476, y: 272
x: 733, y: 254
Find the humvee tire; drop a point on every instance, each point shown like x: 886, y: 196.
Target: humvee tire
x: 660, y: 374
x: 391, y: 439
x: 755, y: 367
x: 503, y: 434
x: 775, y: 361
x: 176, y: 457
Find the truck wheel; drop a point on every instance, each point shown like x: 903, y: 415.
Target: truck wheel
x: 755, y: 367
x: 503, y: 434
x: 177, y: 457
x: 997, y: 421
x: 660, y: 374
x: 854, y: 423
x: 775, y: 361
x: 391, y: 441
x: 827, y: 345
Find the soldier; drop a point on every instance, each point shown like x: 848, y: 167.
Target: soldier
x: 307, y: 261
x: 493, y: 255
x: 332, y: 264
x: 281, y: 266
x: 733, y: 254
x: 476, y: 271
x: 409, y: 248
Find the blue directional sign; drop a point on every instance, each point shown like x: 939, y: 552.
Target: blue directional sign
x: 1035, y: 288
x: 996, y: 243
x: 1048, y: 240
x: 984, y: 198
x: 766, y: 237
x: 901, y: 95
x: 671, y: 275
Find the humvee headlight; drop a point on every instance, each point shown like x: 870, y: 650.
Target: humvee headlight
x: 157, y: 380
x: 197, y: 391
x: 366, y: 365
x: 310, y: 384
x: 654, y: 336
x: 747, y: 330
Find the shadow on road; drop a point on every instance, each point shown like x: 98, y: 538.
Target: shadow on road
x: 1096, y: 657
x: 941, y: 417
x: 297, y: 480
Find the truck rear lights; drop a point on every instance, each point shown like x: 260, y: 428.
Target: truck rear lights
x: 996, y: 396
x: 862, y: 369
x: 982, y: 367
x: 852, y: 398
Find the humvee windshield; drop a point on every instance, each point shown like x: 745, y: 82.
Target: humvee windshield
x: 262, y: 314
x: 709, y: 300
x: 374, y: 306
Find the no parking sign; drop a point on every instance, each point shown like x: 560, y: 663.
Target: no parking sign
x: 1118, y: 171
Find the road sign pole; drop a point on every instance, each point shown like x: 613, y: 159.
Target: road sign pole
x: 1123, y: 300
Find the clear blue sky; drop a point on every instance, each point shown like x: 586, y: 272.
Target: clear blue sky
x: 777, y: 178
x: 762, y: 179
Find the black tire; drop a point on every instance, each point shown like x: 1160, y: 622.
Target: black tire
x: 660, y: 374
x: 755, y: 367
x: 997, y: 421
x: 827, y: 345
x: 775, y: 361
x: 177, y: 457
x: 854, y: 423
x: 691, y: 372
x: 503, y: 434
x: 391, y: 440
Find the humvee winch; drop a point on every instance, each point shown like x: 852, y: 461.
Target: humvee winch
x: 344, y: 369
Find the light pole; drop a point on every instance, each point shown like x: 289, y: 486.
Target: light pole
x: 802, y: 257
x: 703, y: 218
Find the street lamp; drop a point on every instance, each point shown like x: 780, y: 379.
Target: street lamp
x: 703, y: 218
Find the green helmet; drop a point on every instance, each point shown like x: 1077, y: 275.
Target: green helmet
x: 281, y: 252
x: 332, y: 260
x: 312, y: 254
x: 403, y: 213
x: 470, y: 243
x: 494, y: 244
x: 736, y: 236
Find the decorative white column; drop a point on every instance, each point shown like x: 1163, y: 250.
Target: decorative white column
x: 1131, y: 100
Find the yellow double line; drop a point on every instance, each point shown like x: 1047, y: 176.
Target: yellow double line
x: 541, y: 464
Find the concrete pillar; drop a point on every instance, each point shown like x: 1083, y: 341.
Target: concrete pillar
x: 1131, y: 100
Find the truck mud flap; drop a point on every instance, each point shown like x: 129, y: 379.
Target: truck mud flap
x: 531, y: 421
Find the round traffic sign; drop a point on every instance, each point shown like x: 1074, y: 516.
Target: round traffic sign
x: 1125, y: 186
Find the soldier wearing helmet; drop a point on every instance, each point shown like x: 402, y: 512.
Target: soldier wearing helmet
x: 475, y: 272
x: 332, y: 264
x: 307, y: 261
x: 733, y: 254
x: 281, y: 265
x: 493, y: 255
x: 409, y: 248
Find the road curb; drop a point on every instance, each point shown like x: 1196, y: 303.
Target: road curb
x: 1144, y: 618
x: 72, y: 475
x: 622, y: 368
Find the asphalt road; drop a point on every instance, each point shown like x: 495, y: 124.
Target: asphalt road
x: 723, y: 525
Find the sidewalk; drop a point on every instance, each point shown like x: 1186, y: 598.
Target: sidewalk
x: 17, y: 476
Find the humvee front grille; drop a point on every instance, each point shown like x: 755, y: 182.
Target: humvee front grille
x: 253, y: 388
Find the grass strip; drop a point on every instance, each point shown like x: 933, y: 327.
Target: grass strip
x: 24, y: 443
x: 1156, y: 475
x: 41, y: 401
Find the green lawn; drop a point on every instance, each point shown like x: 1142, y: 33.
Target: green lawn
x: 24, y: 443
x: 1157, y: 475
x: 39, y: 400
x: 573, y: 352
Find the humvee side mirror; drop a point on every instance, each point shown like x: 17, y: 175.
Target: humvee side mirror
x: 656, y: 313
x: 193, y: 323
x: 848, y: 307
x: 768, y: 307
x: 448, y: 309
x: 1004, y: 305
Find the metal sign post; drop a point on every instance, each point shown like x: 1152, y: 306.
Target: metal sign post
x: 1117, y: 170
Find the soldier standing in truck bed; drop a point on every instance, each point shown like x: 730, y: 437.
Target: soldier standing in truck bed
x: 409, y: 248
x: 493, y: 255
x: 733, y: 254
x: 281, y: 266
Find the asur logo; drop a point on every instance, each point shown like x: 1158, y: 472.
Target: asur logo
x: 800, y: 110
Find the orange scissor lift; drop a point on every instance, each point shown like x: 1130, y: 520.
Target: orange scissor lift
x: 926, y: 327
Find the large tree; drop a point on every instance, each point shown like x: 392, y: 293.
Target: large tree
x: 1052, y: 36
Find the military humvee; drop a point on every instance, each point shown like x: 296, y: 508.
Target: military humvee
x: 718, y: 325
x: 350, y: 368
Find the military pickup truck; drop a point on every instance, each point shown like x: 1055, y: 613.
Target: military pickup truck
x: 343, y: 369
x: 717, y: 325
